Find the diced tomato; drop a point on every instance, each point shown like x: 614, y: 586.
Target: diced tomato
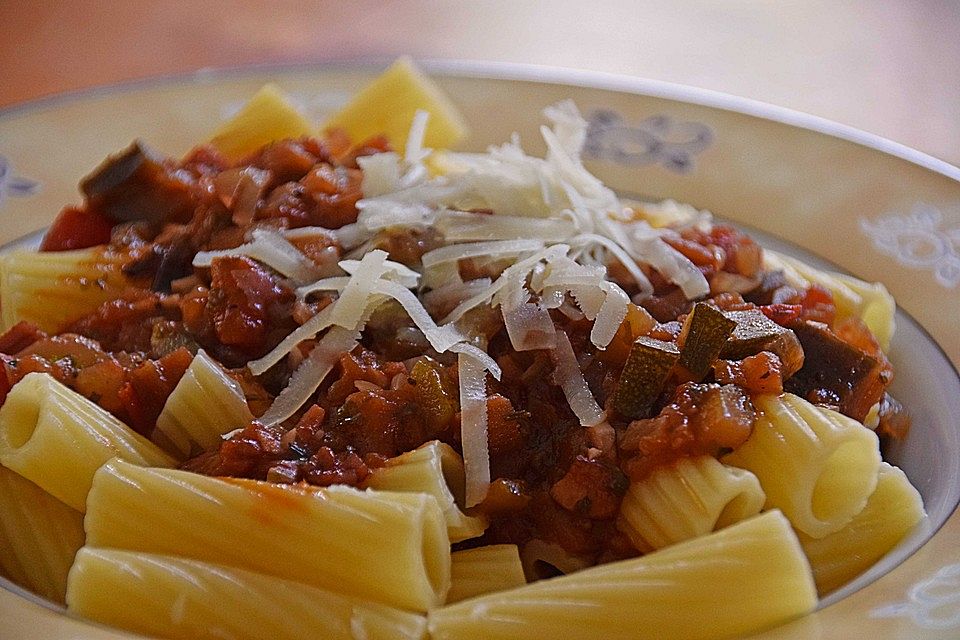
x: 77, y: 228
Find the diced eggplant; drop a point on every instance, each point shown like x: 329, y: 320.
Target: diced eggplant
x: 705, y: 331
x: 755, y: 332
x: 136, y: 184
x: 834, y: 371
x: 644, y: 373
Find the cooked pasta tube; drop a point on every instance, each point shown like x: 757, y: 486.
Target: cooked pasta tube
x: 51, y: 289
x: 55, y: 437
x: 482, y: 570
x: 893, y: 509
x: 378, y: 545
x: 191, y: 600
x: 39, y: 536
x: 204, y: 405
x: 688, y: 499
x: 816, y: 465
x: 869, y: 301
x: 744, y: 578
x: 435, y: 469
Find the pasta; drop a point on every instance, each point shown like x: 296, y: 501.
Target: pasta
x: 399, y: 385
x: 204, y: 405
x: 690, y: 499
x: 276, y: 530
x: 190, y: 600
x: 39, y: 536
x: 817, y: 466
x: 52, y: 289
x: 58, y: 439
x: 482, y: 570
x: 892, y: 511
x: 724, y: 580
x: 437, y: 470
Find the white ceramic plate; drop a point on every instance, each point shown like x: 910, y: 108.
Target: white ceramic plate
x: 822, y: 191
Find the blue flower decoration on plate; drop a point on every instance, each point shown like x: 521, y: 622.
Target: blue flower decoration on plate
x: 13, y: 185
x: 656, y: 140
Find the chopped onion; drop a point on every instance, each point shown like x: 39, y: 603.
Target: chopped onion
x: 569, y: 377
x: 311, y: 372
x: 473, y: 428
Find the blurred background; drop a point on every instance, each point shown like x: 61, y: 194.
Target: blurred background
x: 891, y: 67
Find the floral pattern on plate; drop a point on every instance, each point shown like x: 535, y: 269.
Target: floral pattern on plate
x: 656, y: 140
x: 13, y: 185
x: 916, y: 240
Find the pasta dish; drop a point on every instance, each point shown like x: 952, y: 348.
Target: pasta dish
x: 353, y: 383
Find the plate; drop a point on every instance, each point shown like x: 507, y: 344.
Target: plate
x: 828, y: 193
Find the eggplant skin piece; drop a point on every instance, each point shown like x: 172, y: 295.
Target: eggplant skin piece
x: 137, y: 184
x: 837, y: 373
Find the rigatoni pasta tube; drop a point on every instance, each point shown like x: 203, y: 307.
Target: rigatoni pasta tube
x: 379, y: 545
x: 435, y: 469
x: 190, y: 600
x: 204, y: 405
x: 893, y: 509
x: 56, y: 438
x: 740, y: 579
x: 39, y: 536
x: 482, y: 570
x: 51, y: 289
x: 688, y: 499
x: 816, y: 465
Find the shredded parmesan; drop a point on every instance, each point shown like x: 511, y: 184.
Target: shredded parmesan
x: 311, y: 372
x: 570, y: 379
x: 273, y: 250
x: 473, y: 428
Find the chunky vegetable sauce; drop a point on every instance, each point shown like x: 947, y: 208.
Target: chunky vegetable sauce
x: 676, y: 380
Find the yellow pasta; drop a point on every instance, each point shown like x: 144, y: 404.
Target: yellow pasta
x: 204, y: 405
x: 54, y: 288
x: 869, y: 301
x: 893, y: 509
x: 435, y: 469
x: 689, y: 499
x: 266, y: 118
x: 39, y: 536
x: 406, y: 90
x: 378, y: 545
x: 56, y: 438
x: 190, y: 600
x: 816, y: 465
x: 743, y: 578
x: 475, y: 572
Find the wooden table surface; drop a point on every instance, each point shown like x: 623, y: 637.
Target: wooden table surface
x: 890, y: 67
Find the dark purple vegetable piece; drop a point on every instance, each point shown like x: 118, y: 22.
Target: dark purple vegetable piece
x: 136, y: 184
x: 755, y: 332
x: 705, y: 331
x: 643, y: 375
x: 837, y: 373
